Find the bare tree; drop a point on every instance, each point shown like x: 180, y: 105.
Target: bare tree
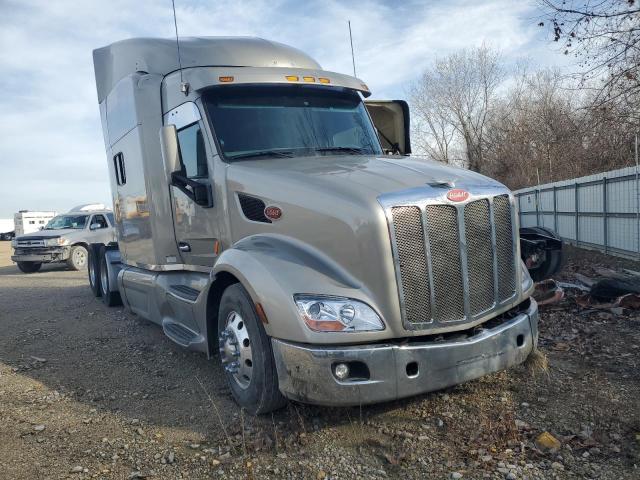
x: 452, y: 102
x: 605, y: 36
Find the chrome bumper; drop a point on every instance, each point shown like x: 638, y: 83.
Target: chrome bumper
x: 305, y: 372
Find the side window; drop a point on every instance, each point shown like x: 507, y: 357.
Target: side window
x: 100, y: 221
x: 192, y: 152
x: 110, y: 217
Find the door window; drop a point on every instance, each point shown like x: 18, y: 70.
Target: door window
x: 193, y: 156
x: 100, y: 221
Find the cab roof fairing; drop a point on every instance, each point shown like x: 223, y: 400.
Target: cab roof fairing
x: 159, y: 56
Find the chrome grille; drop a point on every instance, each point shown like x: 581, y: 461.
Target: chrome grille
x: 504, y: 247
x: 477, y: 227
x: 442, y: 222
x: 454, y: 263
x: 412, y: 261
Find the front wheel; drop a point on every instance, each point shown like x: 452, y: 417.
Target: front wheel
x: 29, y: 267
x: 246, y: 354
x: 77, y: 258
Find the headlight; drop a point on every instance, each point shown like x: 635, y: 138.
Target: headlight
x: 337, y: 314
x: 55, y: 242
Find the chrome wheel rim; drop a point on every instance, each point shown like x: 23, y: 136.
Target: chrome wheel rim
x: 80, y: 257
x: 235, y: 350
x: 92, y: 274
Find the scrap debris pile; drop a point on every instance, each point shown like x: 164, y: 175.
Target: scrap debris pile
x: 609, y: 290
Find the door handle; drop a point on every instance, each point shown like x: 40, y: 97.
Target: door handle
x: 184, y: 247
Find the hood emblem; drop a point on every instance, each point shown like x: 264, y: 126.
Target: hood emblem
x: 457, y: 195
x: 272, y: 212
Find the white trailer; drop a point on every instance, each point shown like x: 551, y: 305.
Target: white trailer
x: 28, y: 222
x: 6, y: 229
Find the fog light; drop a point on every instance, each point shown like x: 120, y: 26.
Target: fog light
x: 341, y: 371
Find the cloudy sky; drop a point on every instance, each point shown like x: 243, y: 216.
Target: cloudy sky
x: 51, y: 149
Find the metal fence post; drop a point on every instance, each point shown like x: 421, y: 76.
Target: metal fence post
x: 537, y: 207
x: 555, y: 211
x: 575, y: 188
x: 605, y: 217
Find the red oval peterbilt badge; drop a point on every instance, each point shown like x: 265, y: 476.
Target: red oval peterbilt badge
x: 272, y: 212
x: 457, y: 195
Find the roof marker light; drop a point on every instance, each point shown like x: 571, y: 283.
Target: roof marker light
x: 292, y: 78
x: 309, y: 79
x: 324, y: 80
x: 225, y: 79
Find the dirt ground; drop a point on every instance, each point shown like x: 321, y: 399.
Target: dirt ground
x: 92, y: 392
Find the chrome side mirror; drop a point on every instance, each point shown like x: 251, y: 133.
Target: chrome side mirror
x: 170, y: 152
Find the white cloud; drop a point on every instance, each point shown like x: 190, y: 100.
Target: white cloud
x: 51, y: 148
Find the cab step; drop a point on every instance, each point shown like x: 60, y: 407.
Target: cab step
x: 184, y: 292
x: 181, y: 334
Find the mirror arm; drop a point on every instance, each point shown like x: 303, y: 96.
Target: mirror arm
x: 192, y: 189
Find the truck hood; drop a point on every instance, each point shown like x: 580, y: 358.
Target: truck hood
x: 367, y: 176
x: 47, y: 234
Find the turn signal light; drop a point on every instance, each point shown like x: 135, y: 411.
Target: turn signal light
x: 225, y: 79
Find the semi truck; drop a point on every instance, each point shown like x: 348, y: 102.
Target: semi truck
x: 269, y: 217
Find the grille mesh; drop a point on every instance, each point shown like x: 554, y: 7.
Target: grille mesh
x: 433, y: 271
x: 504, y: 247
x: 442, y: 221
x: 479, y: 256
x: 409, y: 236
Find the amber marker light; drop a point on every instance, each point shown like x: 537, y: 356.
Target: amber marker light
x: 324, y: 80
x: 309, y: 79
x: 225, y: 79
x: 292, y: 78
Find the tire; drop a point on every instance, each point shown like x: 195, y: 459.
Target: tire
x: 78, y: 258
x: 238, y: 321
x: 93, y: 270
x: 29, y: 267
x: 554, y: 261
x: 109, y: 298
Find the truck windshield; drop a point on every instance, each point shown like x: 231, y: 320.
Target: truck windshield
x: 67, y: 221
x: 274, y: 121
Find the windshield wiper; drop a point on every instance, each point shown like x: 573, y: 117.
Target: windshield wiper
x: 263, y: 153
x: 341, y: 149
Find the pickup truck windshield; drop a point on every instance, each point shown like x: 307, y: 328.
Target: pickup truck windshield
x: 292, y: 120
x: 67, y: 221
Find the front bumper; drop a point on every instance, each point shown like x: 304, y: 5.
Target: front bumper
x: 41, y: 254
x: 305, y: 372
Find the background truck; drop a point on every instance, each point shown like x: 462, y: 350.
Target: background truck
x: 263, y: 217
x: 65, y: 238
x: 26, y: 221
x: 7, y: 229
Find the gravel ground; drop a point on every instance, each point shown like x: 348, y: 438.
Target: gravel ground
x: 92, y: 392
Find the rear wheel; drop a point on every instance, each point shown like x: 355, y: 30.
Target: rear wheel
x: 246, y: 354
x: 94, y: 270
x: 78, y: 258
x: 29, y: 267
x: 109, y: 298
